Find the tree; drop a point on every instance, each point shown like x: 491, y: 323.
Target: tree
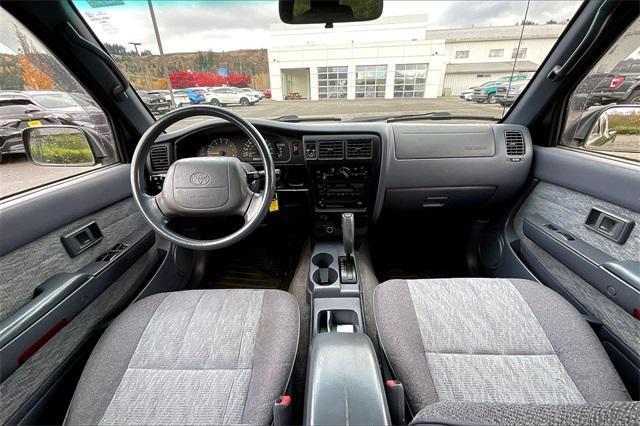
x: 10, y: 73
x: 34, y: 78
x: 181, y: 79
x: 203, y: 79
x: 239, y: 80
x: 159, y: 84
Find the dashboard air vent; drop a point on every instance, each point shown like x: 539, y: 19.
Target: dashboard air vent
x: 514, y: 140
x: 359, y: 149
x: 159, y: 158
x: 330, y: 150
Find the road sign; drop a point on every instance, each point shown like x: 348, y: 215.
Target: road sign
x: 105, y: 3
x: 223, y: 72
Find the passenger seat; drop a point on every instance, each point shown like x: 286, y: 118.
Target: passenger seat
x: 471, y: 350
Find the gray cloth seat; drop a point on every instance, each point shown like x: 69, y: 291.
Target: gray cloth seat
x: 191, y: 357
x: 490, y: 341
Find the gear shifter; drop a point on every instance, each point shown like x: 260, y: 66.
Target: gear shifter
x: 347, y: 263
x: 348, y: 233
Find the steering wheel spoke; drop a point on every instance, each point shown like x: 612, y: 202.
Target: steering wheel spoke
x: 254, y: 209
x: 154, y: 211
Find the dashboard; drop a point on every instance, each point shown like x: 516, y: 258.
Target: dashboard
x: 367, y: 167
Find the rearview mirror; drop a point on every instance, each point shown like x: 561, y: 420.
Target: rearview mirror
x: 58, y: 146
x: 329, y: 11
x: 620, y: 125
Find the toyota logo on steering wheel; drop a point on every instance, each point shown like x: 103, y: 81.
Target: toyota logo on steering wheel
x: 199, y: 178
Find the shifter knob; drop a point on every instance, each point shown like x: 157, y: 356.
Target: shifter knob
x: 348, y: 232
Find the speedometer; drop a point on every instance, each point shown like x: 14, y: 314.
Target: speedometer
x: 219, y: 147
x: 250, y: 151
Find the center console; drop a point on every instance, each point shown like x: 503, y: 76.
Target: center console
x: 343, y: 177
x: 344, y: 383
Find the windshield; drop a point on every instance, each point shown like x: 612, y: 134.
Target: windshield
x: 419, y: 57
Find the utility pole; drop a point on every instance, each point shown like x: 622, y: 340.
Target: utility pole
x: 163, y: 62
x: 135, y: 46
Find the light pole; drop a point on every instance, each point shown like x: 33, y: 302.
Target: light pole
x: 163, y: 62
x: 135, y: 45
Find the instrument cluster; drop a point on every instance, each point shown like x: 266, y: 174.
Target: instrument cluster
x: 241, y: 147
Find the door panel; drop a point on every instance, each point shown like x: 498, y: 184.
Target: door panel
x: 35, y: 351
x: 583, y: 265
x: 30, y: 265
x: 569, y: 209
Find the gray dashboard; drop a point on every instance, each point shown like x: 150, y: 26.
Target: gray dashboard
x: 418, y: 167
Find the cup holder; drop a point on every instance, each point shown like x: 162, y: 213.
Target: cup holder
x: 325, y: 276
x: 322, y: 260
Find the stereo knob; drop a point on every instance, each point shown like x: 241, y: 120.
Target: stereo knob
x: 345, y: 172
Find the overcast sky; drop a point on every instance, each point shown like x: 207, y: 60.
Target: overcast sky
x: 187, y: 26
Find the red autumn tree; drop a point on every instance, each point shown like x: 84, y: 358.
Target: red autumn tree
x: 239, y: 80
x: 181, y: 79
x: 203, y: 79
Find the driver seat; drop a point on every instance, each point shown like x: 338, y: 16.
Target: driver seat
x: 191, y: 357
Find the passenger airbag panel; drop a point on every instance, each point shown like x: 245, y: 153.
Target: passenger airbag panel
x: 444, y: 141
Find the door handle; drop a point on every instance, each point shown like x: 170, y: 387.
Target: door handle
x: 81, y: 239
x: 612, y: 226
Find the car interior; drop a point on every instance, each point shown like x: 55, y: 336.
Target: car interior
x: 405, y: 269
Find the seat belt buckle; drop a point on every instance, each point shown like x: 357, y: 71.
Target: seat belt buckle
x: 395, y: 399
x: 282, y: 411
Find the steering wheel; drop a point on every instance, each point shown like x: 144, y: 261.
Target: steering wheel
x: 203, y: 186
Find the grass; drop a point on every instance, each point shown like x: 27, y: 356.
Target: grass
x: 625, y: 124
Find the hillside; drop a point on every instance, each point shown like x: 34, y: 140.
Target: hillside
x: 145, y: 71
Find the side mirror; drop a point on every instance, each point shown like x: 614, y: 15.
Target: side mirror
x: 601, y: 126
x: 329, y: 11
x: 620, y: 124
x: 60, y: 146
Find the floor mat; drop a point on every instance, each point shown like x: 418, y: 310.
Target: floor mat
x: 251, y: 272
x: 265, y: 260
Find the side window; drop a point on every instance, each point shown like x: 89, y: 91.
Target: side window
x: 37, y: 91
x: 604, y: 110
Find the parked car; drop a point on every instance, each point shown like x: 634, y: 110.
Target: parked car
x: 468, y: 94
x: 179, y: 99
x: 17, y: 114
x: 507, y: 94
x: 75, y: 108
x: 230, y: 95
x: 267, y: 93
x: 156, y: 103
x: 252, y: 91
x: 486, y: 92
x: 196, y: 95
x: 621, y: 85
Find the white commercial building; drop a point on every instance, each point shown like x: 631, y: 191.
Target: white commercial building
x: 396, y: 57
x: 477, y: 55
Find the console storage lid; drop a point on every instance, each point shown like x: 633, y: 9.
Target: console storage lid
x: 344, y: 385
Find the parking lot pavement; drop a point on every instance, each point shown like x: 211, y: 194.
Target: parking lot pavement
x: 348, y: 109
x: 17, y: 174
